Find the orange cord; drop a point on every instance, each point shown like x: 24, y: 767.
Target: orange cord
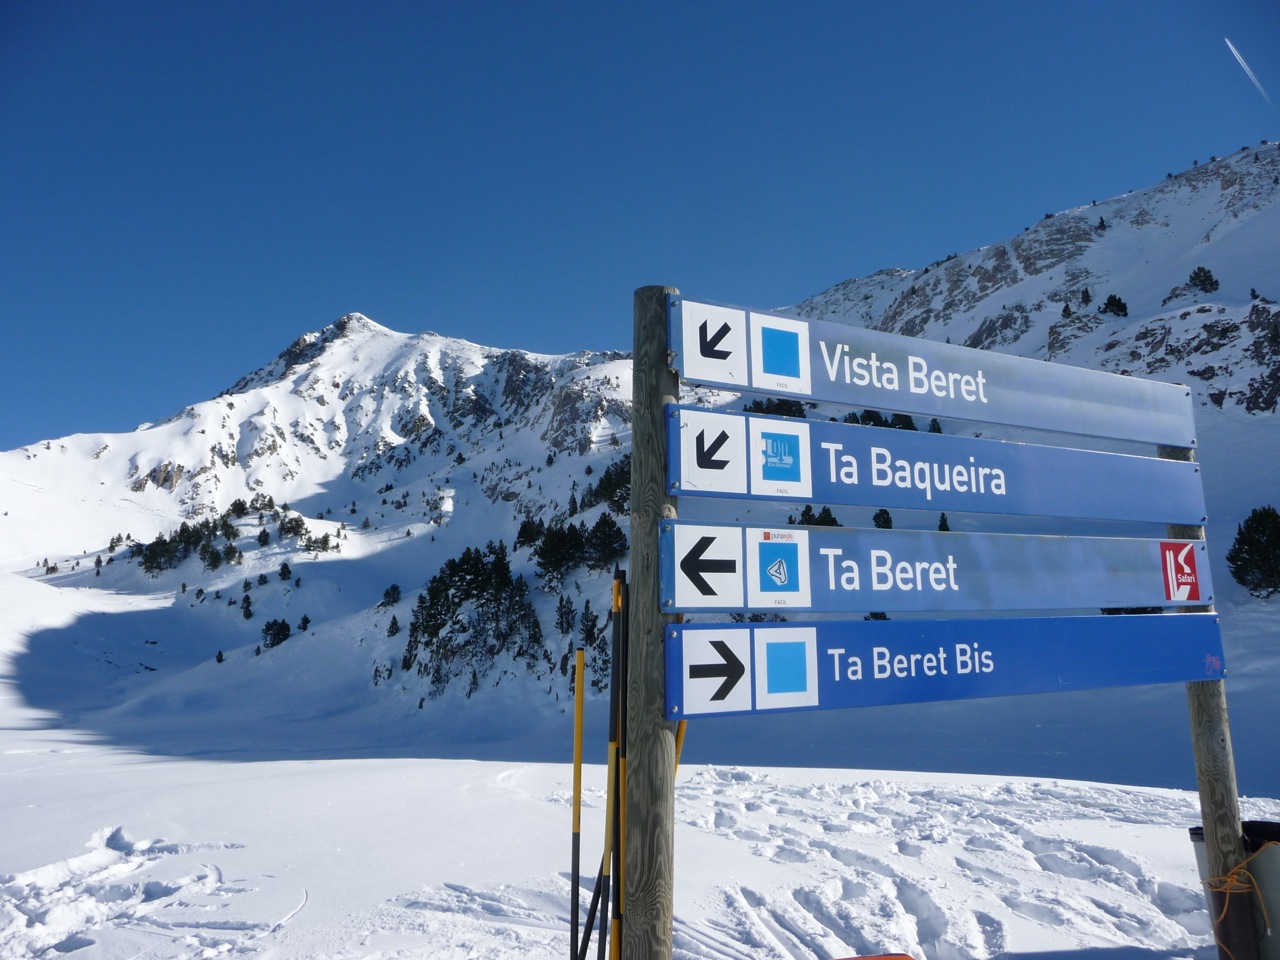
x: 1238, y: 880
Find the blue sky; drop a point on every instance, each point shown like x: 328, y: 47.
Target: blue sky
x: 185, y: 188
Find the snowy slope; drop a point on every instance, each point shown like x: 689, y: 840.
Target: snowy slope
x: 314, y: 799
x: 295, y: 852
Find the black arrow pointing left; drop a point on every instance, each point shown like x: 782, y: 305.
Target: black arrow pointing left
x: 696, y: 563
x: 705, y: 454
x: 731, y: 669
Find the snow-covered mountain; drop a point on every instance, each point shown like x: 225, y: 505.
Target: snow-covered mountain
x: 397, y: 455
x: 245, y: 582
x: 1028, y: 295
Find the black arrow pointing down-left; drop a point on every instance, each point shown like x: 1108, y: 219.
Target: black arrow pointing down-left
x: 705, y: 453
x: 709, y: 343
x: 731, y: 670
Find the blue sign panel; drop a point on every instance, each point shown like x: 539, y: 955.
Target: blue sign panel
x: 777, y: 458
x: 727, y: 669
x: 725, y: 567
x: 742, y: 349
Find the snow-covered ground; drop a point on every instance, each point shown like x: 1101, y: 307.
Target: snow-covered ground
x: 112, y: 851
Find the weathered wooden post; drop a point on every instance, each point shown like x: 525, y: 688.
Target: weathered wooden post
x: 1219, y: 794
x: 651, y: 756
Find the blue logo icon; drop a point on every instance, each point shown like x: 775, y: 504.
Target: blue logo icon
x: 781, y: 453
x: 778, y: 572
x: 779, y: 564
x: 787, y: 667
x: 781, y: 352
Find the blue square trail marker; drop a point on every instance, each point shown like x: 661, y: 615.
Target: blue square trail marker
x: 787, y: 667
x: 781, y: 350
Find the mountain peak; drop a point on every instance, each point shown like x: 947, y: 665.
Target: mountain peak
x: 354, y: 324
x: 308, y: 347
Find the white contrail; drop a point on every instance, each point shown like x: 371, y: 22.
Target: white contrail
x: 1244, y: 66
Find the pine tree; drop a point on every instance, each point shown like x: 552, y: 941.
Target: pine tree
x: 1115, y: 306
x: 530, y: 533
x: 1202, y: 280
x: 943, y: 525
x: 1254, y: 557
x: 275, y: 632
x: 393, y: 627
x: 777, y: 407
x: 882, y: 520
x: 605, y: 543
x: 566, y: 615
x: 595, y: 641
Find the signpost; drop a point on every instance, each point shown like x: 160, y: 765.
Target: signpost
x: 717, y: 669
x: 727, y: 567
x: 736, y: 455
x: 680, y: 670
x: 742, y: 349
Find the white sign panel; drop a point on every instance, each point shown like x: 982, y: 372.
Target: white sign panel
x: 778, y: 568
x: 714, y: 667
x: 786, y: 674
x: 715, y: 344
x: 713, y: 452
x: 780, y: 462
x: 780, y: 354
x: 709, y: 566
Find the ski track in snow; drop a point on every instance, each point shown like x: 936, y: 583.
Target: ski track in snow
x: 128, y: 889
x: 878, y: 864
x: 961, y: 871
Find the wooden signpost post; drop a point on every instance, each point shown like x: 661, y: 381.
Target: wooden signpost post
x: 677, y: 566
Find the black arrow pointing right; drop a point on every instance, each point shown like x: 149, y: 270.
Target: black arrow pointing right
x: 705, y: 454
x: 731, y: 669
x: 708, y: 345
x: 695, y: 564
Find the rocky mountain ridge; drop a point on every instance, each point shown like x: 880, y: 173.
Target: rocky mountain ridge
x: 1042, y: 294
x: 409, y: 457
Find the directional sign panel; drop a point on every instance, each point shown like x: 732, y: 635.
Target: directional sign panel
x: 743, y: 349
x: 823, y: 666
x: 836, y: 570
x: 775, y: 458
